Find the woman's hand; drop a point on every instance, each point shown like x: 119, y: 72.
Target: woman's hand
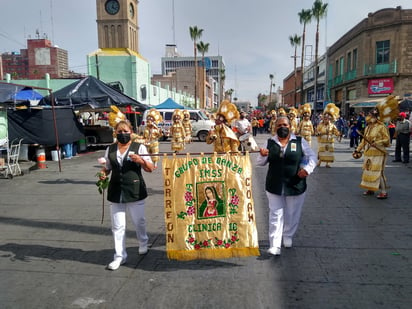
x: 302, y: 173
x: 264, y: 152
x: 136, y: 158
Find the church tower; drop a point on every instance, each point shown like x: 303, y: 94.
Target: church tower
x: 117, y: 25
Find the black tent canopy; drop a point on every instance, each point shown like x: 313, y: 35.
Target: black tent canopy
x: 91, y: 94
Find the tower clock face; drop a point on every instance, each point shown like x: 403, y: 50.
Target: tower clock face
x: 112, y: 7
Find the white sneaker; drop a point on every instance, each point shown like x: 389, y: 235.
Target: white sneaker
x: 287, y: 242
x: 143, y: 250
x: 274, y: 251
x: 115, y: 264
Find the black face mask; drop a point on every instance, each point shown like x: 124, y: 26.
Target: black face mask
x: 123, y: 138
x: 282, y: 132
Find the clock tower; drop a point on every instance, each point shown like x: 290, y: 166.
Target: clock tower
x: 117, y: 24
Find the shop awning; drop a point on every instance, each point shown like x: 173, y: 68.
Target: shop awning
x: 363, y: 102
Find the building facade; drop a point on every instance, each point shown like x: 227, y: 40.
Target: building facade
x: 291, y: 89
x: 213, y: 66
x: 39, y: 58
x: 372, y: 60
x: 309, y: 85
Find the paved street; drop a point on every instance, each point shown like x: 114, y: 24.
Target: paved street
x: 349, y: 252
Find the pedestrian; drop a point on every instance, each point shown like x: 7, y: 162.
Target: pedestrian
x: 325, y: 131
x: 402, y: 132
x: 290, y: 160
x: 261, y: 124
x: 374, y: 141
x: 255, y: 126
x: 391, y: 128
x: 341, y: 125
x: 361, y: 124
x: 127, y: 190
x: 353, y: 135
x: 243, y: 125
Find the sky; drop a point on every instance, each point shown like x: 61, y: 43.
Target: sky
x: 251, y: 36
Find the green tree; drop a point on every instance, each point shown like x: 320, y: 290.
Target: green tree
x: 305, y: 17
x: 195, y: 34
x: 203, y: 48
x: 222, y: 79
x: 319, y: 10
x: 295, y: 42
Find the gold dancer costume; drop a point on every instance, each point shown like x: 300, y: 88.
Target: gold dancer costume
x: 152, y: 133
x: 305, y: 127
x: 177, y: 131
x: 374, y: 143
x: 325, y: 131
x: 222, y: 136
x: 187, y: 124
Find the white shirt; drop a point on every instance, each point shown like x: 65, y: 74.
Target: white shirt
x: 242, y: 125
x: 120, y: 156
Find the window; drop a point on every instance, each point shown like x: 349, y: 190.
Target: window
x: 382, y: 52
x: 355, y: 59
x: 349, y: 62
x: 341, y: 65
x: 336, y: 68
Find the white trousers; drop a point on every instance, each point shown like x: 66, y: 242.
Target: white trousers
x: 118, y: 216
x: 284, y: 216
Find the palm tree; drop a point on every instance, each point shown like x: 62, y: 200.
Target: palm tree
x: 305, y: 16
x: 270, y: 88
x: 203, y: 48
x: 319, y: 10
x: 228, y: 94
x: 295, y: 42
x: 195, y: 34
x: 222, y: 79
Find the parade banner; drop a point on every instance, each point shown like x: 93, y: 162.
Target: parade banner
x: 209, y: 210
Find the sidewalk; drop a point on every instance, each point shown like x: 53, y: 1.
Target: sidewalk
x: 350, y: 251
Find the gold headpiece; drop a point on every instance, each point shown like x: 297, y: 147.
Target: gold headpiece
x: 273, y: 113
x: 293, y: 111
x: 332, y: 110
x: 155, y: 114
x: 281, y: 112
x: 177, y: 112
x: 228, y: 110
x: 388, y: 108
x: 115, y: 116
x: 305, y: 108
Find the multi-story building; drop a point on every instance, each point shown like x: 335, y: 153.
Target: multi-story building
x: 39, y: 58
x: 309, y: 84
x: 372, y: 60
x: 291, y: 89
x: 214, y: 66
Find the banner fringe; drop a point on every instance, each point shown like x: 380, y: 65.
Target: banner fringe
x: 211, y: 254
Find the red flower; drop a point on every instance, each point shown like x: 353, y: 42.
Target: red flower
x: 233, y: 238
x: 205, y: 243
x: 219, y: 243
x: 188, y: 196
x: 227, y: 245
x: 197, y: 246
x: 190, y: 210
x: 191, y: 240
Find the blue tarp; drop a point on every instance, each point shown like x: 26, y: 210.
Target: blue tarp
x: 27, y: 94
x: 169, y: 104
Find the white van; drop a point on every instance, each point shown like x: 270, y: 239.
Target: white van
x: 201, y: 124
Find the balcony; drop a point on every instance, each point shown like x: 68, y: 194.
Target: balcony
x: 376, y: 69
x: 351, y: 75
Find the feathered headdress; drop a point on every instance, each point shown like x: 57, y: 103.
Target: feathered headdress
x: 332, y: 110
x: 155, y: 114
x: 115, y: 116
x: 305, y: 109
x: 388, y: 108
x: 281, y: 111
x: 228, y: 110
x: 178, y: 112
x: 293, y: 111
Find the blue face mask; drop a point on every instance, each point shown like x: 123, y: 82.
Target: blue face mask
x: 123, y: 138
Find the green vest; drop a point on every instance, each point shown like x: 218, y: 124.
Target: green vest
x: 283, y: 168
x: 127, y: 180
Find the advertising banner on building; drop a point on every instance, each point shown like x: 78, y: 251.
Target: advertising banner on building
x: 209, y: 209
x: 380, y: 86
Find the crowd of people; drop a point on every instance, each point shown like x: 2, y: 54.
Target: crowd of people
x: 287, y: 151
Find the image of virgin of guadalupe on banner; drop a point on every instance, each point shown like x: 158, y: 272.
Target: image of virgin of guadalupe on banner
x: 209, y: 209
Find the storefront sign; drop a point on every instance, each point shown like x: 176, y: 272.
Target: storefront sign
x: 380, y: 86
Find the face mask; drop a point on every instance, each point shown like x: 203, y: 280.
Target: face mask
x: 123, y: 138
x: 282, y: 132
